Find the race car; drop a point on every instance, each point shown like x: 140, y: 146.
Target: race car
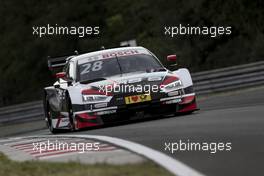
x: 113, y: 85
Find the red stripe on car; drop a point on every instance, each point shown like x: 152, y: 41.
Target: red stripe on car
x: 169, y: 79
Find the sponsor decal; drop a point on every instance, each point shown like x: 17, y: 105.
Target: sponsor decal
x: 137, y: 98
x: 113, y: 54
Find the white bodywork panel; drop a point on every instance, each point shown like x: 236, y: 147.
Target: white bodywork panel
x: 184, y: 76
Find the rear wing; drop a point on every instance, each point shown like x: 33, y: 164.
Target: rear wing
x: 57, y: 63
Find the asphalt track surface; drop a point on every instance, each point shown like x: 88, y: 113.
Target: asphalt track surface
x: 235, y: 117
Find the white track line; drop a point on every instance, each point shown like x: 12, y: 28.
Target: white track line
x: 174, y: 166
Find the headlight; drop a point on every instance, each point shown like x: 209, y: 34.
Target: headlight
x: 94, y: 98
x: 172, y: 86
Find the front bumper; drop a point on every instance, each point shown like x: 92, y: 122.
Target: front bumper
x: 164, y: 106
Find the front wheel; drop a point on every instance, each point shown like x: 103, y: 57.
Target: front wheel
x: 70, y: 112
x: 49, y: 120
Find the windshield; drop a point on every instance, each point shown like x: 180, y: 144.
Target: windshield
x: 116, y: 65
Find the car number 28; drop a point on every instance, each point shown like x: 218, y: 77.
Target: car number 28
x: 96, y: 66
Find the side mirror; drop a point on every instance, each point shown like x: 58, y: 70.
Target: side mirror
x: 172, y: 58
x: 61, y: 75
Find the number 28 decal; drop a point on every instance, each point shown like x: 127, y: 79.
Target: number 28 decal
x: 96, y: 66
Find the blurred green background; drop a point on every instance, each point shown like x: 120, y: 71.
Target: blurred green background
x: 23, y: 66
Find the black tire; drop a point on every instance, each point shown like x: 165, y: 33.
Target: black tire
x: 69, y: 107
x: 49, y: 120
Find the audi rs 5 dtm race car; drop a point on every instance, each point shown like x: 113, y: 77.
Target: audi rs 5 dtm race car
x: 113, y: 85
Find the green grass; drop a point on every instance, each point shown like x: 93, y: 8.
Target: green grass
x: 39, y: 168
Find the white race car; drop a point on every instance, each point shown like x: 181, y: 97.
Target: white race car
x: 113, y: 85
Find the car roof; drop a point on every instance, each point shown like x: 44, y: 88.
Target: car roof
x: 105, y: 51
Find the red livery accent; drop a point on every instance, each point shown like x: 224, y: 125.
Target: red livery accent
x: 172, y: 58
x: 189, y: 107
x: 61, y: 75
x: 92, y: 92
x: 85, y: 124
x: 86, y: 116
x: 85, y: 120
x: 169, y: 79
x: 59, y: 120
x: 95, y: 92
x: 187, y: 100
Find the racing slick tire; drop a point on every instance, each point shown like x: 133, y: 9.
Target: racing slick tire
x: 49, y: 120
x: 69, y: 108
